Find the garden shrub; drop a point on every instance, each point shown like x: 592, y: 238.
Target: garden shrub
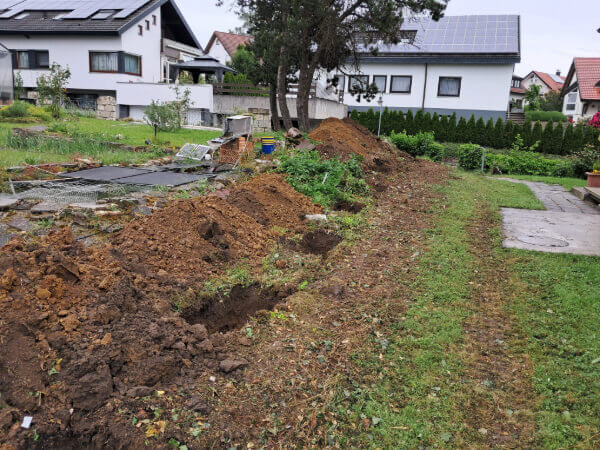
x: 528, y: 163
x: 469, y: 156
x: 545, y: 116
x: 585, y: 159
x: 420, y: 144
x: 16, y: 110
x: 306, y: 172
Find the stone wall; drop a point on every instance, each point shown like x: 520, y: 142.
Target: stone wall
x: 261, y: 120
x: 107, y: 107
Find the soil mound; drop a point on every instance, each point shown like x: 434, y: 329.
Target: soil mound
x: 187, y: 238
x: 87, y: 332
x: 344, y: 138
x: 272, y: 202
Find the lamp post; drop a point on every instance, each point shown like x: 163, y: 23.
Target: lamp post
x: 380, y: 103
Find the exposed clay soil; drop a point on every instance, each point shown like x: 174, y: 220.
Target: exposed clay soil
x: 227, y: 312
x: 319, y: 242
x: 90, y: 335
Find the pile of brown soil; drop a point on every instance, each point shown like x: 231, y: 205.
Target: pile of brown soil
x: 88, y: 332
x: 188, y: 238
x: 273, y: 202
x: 343, y: 138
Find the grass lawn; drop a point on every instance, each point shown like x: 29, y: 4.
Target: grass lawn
x: 87, y: 135
x: 555, y: 304
x: 137, y: 133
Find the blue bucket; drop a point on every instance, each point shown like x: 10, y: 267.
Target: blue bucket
x: 268, y: 145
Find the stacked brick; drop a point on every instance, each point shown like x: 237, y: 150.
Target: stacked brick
x: 233, y: 151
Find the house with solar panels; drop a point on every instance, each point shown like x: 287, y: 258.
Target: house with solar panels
x: 461, y: 64
x: 118, y: 51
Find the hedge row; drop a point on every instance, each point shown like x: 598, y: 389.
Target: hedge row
x: 554, y: 139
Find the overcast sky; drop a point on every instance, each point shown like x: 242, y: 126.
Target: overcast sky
x: 552, y: 31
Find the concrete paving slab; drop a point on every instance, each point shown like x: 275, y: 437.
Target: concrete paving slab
x: 551, y: 231
x: 7, y: 201
x: 161, y: 179
x: 21, y: 224
x: 594, y: 192
x: 106, y: 173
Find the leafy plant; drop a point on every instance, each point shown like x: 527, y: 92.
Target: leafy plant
x: 18, y: 85
x: 470, y: 156
x: 169, y: 116
x: 532, y: 96
x: 545, y: 116
x: 51, y: 88
x: 326, y: 181
x: 519, y: 145
x: 17, y: 109
x: 421, y: 144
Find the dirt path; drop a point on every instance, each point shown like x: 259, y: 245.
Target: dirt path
x: 498, y: 397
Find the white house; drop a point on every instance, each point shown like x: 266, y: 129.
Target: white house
x: 581, y: 91
x: 223, y: 46
x: 517, y: 95
x: 461, y: 64
x: 547, y: 82
x: 109, y: 47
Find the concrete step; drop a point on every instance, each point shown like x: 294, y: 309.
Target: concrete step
x: 594, y: 193
x: 581, y: 193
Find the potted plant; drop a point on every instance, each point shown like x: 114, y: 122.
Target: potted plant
x: 593, y: 178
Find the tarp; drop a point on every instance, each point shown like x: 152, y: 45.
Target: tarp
x: 6, y: 76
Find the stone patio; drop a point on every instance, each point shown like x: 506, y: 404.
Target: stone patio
x: 568, y: 225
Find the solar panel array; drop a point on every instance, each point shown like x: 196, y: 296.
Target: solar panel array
x: 462, y: 34
x: 80, y: 9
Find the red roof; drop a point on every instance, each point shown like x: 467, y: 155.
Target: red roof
x: 549, y: 80
x: 230, y: 41
x: 588, y: 76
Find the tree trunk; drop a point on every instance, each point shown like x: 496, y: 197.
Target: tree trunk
x: 304, y: 84
x: 274, y: 111
x: 282, y: 71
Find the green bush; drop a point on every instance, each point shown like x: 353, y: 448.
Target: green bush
x: 528, y: 163
x: 545, y: 116
x: 469, y: 156
x: 585, y: 160
x: 17, y: 109
x: 326, y: 181
x: 420, y: 144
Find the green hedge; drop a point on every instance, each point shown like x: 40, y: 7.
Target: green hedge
x: 515, y: 162
x: 420, y: 144
x: 545, y: 116
x: 554, y: 139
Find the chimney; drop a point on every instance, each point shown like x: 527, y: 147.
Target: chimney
x: 558, y: 72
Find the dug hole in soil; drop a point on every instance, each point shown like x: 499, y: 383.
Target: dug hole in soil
x: 89, y: 331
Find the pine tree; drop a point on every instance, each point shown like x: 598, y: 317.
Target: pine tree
x: 509, y: 134
x: 471, y: 130
x: 452, y: 133
x: 479, y: 132
x: 526, y: 134
x: 427, y: 122
x: 489, y: 133
x: 557, y: 142
x: 409, y: 122
x: 498, y: 134
x: 435, y: 125
x: 568, y: 140
x: 400, y: 122
x: 548, y: 138
x: 354, y: 115
x: 536, y: 135
x: 419, y: 122
x: 443, y: 132
x: 462, y: 131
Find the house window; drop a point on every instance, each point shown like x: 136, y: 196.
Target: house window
x: 516, y: 83
x: 401, y: 84
x: 358, y: 82
x: 22, y: 60
x: 42, y: 60
x: 147, y: 24
x: 132, y: 64
x: 381, y: 82
x: 153, y: 19
x: 571, y: 101
x: 104, y: 62
x: 449, y: 87
x: 140, y: 30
